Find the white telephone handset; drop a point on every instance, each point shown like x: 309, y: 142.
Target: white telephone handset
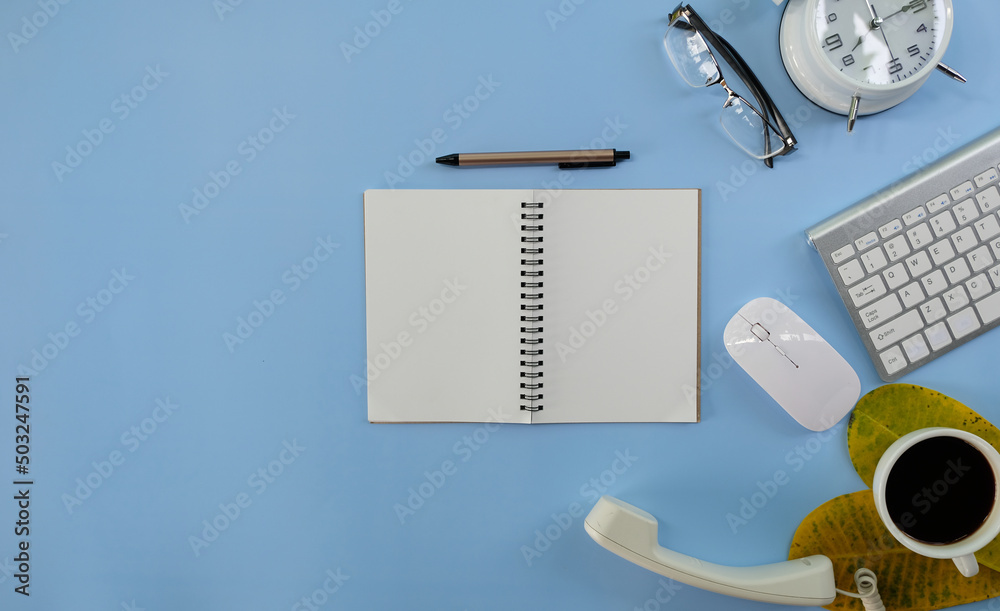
x: 632, y: 534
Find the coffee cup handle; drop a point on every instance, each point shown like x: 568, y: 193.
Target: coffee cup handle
x: 967, y: 565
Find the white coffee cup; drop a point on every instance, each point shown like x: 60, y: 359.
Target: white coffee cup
x: 961, y: 551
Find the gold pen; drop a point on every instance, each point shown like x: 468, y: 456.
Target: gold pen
x: 593, y: 158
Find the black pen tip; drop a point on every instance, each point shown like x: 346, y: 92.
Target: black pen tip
x: 622, y: 155
x: 448, y: 159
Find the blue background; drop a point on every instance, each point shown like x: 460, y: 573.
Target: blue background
x: 128, y: 207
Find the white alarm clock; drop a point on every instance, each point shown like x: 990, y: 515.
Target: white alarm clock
x: 858, y: 57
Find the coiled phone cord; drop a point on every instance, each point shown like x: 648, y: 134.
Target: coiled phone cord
x: 867, y: 590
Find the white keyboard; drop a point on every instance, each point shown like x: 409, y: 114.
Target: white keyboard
x: 918, y: 263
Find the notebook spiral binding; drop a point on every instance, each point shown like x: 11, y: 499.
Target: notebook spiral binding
x: 531, y: 306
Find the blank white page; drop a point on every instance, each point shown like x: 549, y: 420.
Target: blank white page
x: 442, y: 286
x: 621, y: 306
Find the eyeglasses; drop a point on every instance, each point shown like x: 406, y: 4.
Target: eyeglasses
x: 760, y: 130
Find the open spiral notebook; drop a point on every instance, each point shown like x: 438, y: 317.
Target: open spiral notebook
x: 531, y: 307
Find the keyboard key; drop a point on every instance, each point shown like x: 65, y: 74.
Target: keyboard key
x: 933, y: 310
x: 957, y: 271
x: 964, y: 240
x: 919, y: 264
x: 868, y: 291
x: 943, y: 224
x: 881, y: 311
x: 897, y: 248
x: 892, y: 332
x: 956, y: 299
x: 895, y: 276
x: 966, y: 211
x: 937, y: 203
x: 893, y: 226
x: 915, y: 347
x: 869, y: 239
x: 934, y: 282
x: 989, y: 200
x: 920, y: 236
x: 980, y: 258
x: 941, y: 252
x: 986, y: 177
x: 923, y: 272
x: 989, y: 308
x: 843, y: 253
x: 851, y: 272
x: 963, y: 323
x: 893, y: 360
x: 962, y: 190
x: 987, y: 227
x: 874, y: 260
x: 938, y: 336
x: 978, y: 287
x: 914, y: 216
x: 911, y: 294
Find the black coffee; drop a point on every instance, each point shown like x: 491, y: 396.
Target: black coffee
x: 940, y: 490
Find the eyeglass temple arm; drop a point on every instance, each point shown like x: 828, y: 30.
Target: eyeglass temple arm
x: 732, y: 56
x: 767, y: 105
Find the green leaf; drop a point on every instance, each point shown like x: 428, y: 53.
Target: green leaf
x: 848, y: 530
x: 891, y: 411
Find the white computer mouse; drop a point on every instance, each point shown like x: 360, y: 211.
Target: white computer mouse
x: 793, y: 363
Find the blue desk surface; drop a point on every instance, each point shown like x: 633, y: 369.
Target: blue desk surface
x: 171, y: 171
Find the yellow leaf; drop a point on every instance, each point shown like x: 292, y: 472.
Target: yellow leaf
x: 848, y: 530
x: 891, y: 411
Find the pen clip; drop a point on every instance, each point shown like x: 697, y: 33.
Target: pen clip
x: 574, y: 165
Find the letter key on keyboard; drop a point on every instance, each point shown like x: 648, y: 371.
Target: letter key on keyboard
x: 918, y: 264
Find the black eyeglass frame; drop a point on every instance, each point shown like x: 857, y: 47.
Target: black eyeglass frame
x: 743, y: 71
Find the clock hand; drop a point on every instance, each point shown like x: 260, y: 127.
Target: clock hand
x: 906, y: 7
x: 876, y: 22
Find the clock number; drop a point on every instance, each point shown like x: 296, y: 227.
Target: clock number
x: 913, y: 51
x: 848, y: 60
x: 834, y: 42
x: 918, y: 5
x: 894, y: 66
x: 831, y: 17
x: 922, y: 28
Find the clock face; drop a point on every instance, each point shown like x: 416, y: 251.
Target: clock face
x: 894, y: 45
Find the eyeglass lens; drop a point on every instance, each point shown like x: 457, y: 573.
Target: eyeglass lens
x: 689, y: 52
x: 690, y: 55
x: 749, y: 130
